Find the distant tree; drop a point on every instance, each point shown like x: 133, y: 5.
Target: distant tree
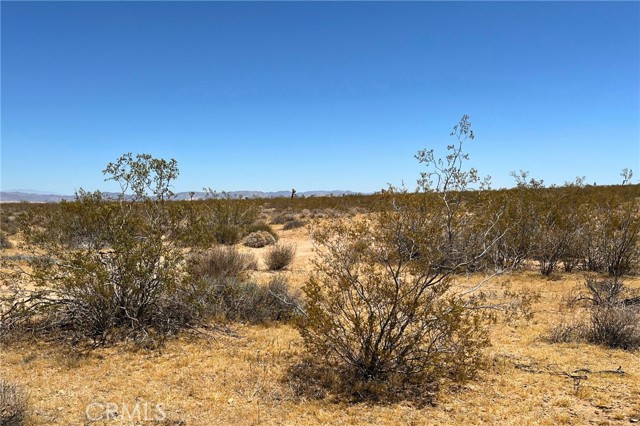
x: 522, y: 182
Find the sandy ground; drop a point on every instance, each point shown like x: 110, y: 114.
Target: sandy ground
x: 241, y: 379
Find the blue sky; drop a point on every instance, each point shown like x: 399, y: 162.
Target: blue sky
x: 317, y: 95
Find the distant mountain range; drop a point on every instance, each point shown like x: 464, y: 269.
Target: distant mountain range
x: 33, y: 196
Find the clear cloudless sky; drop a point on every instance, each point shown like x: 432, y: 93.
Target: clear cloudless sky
x: 317, y: 95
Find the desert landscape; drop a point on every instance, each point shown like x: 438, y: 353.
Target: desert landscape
x: 280, y: 213
x: 238, y: 366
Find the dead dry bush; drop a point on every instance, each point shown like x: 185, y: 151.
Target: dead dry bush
x: 293, y: 224
x: 224, y: 262
x: 305, y: 213
x: 283, y: 218
x: 13, y: 405
x: 280, y: 256
x: 610, y: 240
x: 615, y: 326
x: 259, y: 239
x: 610, y: 315
x: 231, y: 299
x: 310, y: 380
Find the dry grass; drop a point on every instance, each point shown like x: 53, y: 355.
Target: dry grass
x: 239, y: 378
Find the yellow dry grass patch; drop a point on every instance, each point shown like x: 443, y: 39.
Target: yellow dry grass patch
x: 240, y: 379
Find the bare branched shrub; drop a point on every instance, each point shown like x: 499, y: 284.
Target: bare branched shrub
x: 224, y: 262
x: 280, y: 256
x: 612, y: 320
x: 611, y: 238
x: 615, y: 325
x: 622, y: 241
x: 13, y: 405
x: 554, y: 231
x: 602, y: 292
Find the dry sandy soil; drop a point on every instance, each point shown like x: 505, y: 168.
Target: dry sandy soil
x: 239, y: 379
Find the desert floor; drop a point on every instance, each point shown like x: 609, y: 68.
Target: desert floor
x: 240, y: 378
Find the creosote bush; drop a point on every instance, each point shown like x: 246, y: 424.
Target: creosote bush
x: 13, y: 405
x: 227, y: 234
x: 105, y: 270
x: 385, y: 319
x: 9, y: 218
x: 279, y: 256
x: 230, y: 218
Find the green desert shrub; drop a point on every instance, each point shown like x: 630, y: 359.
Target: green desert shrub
x: 9, y: 223
x: 125, y: 277
x: 227, y: 234
x: 230, y: 217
